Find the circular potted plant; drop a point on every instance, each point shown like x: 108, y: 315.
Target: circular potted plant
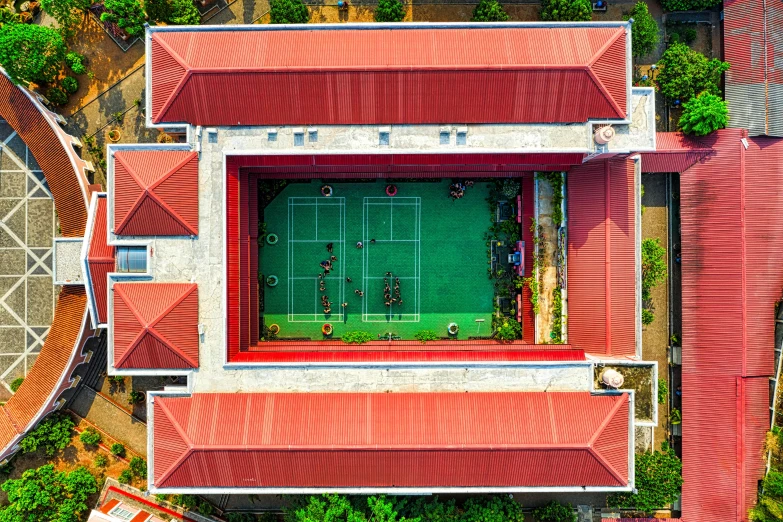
x: 391, y: 190
x: 326, y: 191
x: 115, y: 135
x: 274, y: 329
x: 327, y: 329
x: 271, y: 280
x: 453, y: 329
x: 272, y: 239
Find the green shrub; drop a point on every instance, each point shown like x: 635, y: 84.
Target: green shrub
x: 52, y: 434
x: 426, y: 335
x: 138, y: 467
x: 644, y: 31
x: 389, y: 11
x: 16, y: 383
x: 658, y: 482
x: 500, y: 508
x: 653, y: 265
x: 288, y: 12
x: 566, y: 10
x: 663, y: 391
x: 135, y: 397
x: 509, y: 330
x: 184, y: 12
x: 118, y: 449
x: 205, y: 508
x: 509, y: 188
x: 100, y: 461
x: 704, y: 114
x: 684, y: 73
x: 186, y: 501
x: 773, y: 484
x: 688, y: 5
x: 75, y: 62
x: 357, y: 337
x: 240, y: 517
x: 647, y: 316
x: 489, y: 11
x: 90, y: 437
x: 70, y: 84
x: 127, y: 14
x: 554, y: 512
x: 118, y: 379
x: 126, y: 477
x: 8, y: 16
x: 57, y: 95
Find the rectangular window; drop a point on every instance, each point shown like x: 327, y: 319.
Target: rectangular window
x: 445, y: 137
x: 132, y: 259
x: 122, y: 513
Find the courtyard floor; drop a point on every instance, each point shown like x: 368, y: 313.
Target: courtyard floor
x: 434, y: 245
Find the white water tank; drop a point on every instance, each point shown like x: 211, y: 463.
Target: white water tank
x: 603, y: 135
x: 612, y: 378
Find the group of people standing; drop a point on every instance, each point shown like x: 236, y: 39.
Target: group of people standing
x: 457, y: 190
x: 387, y: 295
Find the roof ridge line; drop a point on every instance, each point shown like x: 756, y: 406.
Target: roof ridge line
x: 176, y: 168
x: 181, y: 61
x: 124, y: 296
x: 591, y: 444
x: 608, y: 419
x: 602, y: 50
x: 157, y: 335
x: 191, y: 287
x: 171, y: 212
x: 605, y: 92
x: 171, y: 346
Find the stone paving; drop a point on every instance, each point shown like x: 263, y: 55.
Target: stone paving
x: 27, y: 224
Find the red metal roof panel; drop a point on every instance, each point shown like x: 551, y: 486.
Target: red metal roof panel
x: 410, y: 75
x: 156, y: 193
x: 155, y: 325
x: 391, y: 440
x: 100, y: 259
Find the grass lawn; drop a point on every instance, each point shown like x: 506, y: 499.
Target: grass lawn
x: 434, y: 245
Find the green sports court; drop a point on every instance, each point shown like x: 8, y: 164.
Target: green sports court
x: 434, y: 245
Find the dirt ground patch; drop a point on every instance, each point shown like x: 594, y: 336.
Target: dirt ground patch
x: 637, y: 378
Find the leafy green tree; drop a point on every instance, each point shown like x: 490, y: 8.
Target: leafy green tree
x: 704, y: 114
x: 138, y: 467
x: 70, y: 84
x: 68, y: 13
x: 554, y: 512
x: 47, y: 495
x: 566, y: 10
x: 498, y: 508
x: 31, y: 53
x: 688, y: 5
x: 100, y: 461
x: 489, y: 11
x: 57, y: 95
x: 509, y: 330
x: 288, y: 12
x: 653, y: 265
x: 686, y: 73
x: 117, y: 449
x: 127, y: 14
x: 184, y: 12
x: 389, y: 11
x: 186, y: 501
x: 644, y: 31
x: 16, y: 383
x: 51, y: 434
x: 658, y: 482
x: 75, y: 61
x: 126, y: 477
x: 157, y: 10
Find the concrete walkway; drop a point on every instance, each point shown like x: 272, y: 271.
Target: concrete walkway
x: 112, y: 419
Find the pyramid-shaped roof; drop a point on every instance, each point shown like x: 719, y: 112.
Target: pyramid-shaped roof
x: 417, y: 74
x: 155, y: 325
x: 155, y: 193
x: 301, y: 440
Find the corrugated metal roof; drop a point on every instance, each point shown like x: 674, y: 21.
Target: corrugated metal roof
x: 100, y: 260
x: 753, y: 45
x: 601, y: 257
x: 155, y: 325
x: 391, y: 440
x: 155, y: 193
x: 731, y: 280
x: 674, y: 152
x: 410, y: 75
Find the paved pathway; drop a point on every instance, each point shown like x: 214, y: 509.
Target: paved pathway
x: 27, y: 225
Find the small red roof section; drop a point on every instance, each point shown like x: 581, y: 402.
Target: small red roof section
x: 100, y: 260
x: 155, y: 193
x: 674, y: 152
x: 155, y: 325
x: 402, y: 75
x: 310, y: 440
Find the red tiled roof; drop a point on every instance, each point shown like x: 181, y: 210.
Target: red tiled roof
x: 674, y: 152
x: 601, y: 258
x: 156, y: 193
x: 100, y: 259
x: 731, y: 279
x: 155, y: 325
x: 302, y: 440
x: 418, y: 74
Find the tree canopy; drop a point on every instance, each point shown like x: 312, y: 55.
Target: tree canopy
x: 31, y: 53
x: 184, y: 12
x: 644, y: 31
x: 489, y: 11
x: 658, y: 482
x: 66, y: 12
x: 704, y: 114
x: 389, y: 11
x: 288, y: 12
x: 686, y: 73
x: 127, y: 14
x: 46, y: 495
x: 566, y: 10
x: 51, y: 434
